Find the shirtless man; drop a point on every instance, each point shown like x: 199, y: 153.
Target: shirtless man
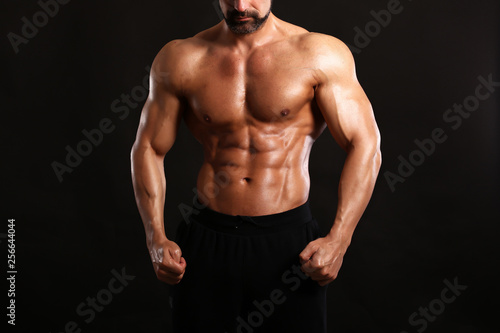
x: 256, y: 92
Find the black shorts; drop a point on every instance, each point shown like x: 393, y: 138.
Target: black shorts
x: 243, y: 274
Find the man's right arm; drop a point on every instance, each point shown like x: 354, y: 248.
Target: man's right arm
x: 158, y: 127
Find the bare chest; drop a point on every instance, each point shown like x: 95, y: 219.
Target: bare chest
x: 228, y: 89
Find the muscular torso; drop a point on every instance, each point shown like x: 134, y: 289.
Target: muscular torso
x: 257, y: 119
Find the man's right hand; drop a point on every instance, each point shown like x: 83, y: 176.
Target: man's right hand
x: 167, y: 261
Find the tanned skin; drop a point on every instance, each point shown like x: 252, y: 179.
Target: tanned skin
x: 256, y: 102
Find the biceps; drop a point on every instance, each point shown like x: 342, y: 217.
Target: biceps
x: 348, y: 114
x: 159, y: 123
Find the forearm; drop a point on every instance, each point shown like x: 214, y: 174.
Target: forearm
x: 355, y: 189
x: 149, y: 182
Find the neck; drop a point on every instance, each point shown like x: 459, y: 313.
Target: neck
x: 263, y: 35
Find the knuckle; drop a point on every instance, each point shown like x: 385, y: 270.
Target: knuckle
x: 308, y: 268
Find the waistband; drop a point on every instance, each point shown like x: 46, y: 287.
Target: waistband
x: 262, y: 224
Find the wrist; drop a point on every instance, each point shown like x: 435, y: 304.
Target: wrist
x: 339, y: 235
x: 154, y: 237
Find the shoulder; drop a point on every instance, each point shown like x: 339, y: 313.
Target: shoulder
x: 183, y: 51
x: 328, y: 55
x: 176, y: 60
x: 316, y: 46
x: 322, y: 45
x: 181, y: 56
x: 177, y: 53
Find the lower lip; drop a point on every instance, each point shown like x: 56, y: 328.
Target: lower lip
x: 242, y: 19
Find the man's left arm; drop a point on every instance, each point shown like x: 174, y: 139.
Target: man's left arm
x: 349, y: 116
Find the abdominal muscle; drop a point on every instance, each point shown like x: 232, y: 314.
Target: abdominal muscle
x: 250, y: 172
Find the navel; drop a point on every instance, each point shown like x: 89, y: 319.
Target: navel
x: 207, y: 118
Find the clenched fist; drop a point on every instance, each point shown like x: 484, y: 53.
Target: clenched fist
x: 167, y: 261
x: 322, y: 259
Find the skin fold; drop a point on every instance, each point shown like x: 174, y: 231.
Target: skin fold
x: 256, y: 101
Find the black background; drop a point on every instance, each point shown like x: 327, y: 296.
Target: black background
x: 441, y: 223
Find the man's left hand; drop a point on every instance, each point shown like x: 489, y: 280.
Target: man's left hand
x: 322, y: 259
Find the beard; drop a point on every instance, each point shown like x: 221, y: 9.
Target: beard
x: 245, y: 27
